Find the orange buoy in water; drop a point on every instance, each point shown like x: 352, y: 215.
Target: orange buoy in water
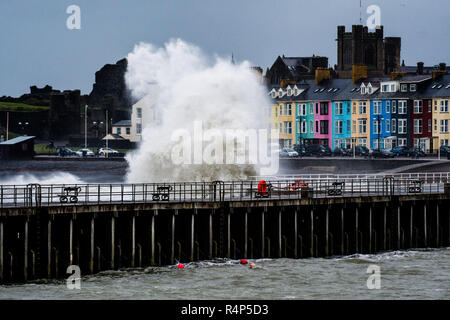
x: 244, y: 261
x: 252, y: 266
x: 180, y: 266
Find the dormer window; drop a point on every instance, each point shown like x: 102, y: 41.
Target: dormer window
x: 363, y: 90
x: 392, y: 87
x: 413, y: 87
x: 289, y: 92
x: 369, y: 90
x: 274, y: 94
x: 404, y: 88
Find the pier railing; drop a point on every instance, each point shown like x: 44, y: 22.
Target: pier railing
x: 35, y: 195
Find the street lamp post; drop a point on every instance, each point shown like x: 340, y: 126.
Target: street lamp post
x: 85, y: 126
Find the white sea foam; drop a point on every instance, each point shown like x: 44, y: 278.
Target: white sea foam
x: 177, y: 86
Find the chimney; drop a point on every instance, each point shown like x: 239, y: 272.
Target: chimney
x: 442, y: 66
x: 419, y: 67
x: 322, y: 74
x: 359, y: 71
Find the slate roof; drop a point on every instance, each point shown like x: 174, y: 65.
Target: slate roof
x: 17, y: 140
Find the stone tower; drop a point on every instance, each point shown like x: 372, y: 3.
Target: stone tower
x: 361, y: 47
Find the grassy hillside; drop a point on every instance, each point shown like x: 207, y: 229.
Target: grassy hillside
x: 21, y: 107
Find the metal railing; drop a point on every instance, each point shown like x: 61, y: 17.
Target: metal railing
x: 428, y: 177
x: 88, y: 194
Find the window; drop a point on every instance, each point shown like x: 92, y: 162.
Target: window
x: 304, y: 128
x: 281, y: 127
x: 394, y: 125
x: 435, y: 106
x: 429, y: 105
x: 139, y: 113
x: 363, y: 142
x: 339, y: 108
x: 348, y: 126
x: 401, y: 142
x: 311, y: 108
x: 338, y: 125
x: 435, y: 125
x: 444, y: 106
x: 281, y: 109
x: 323, y: 126
x: 289, y: 92
x: 354, y: 126
x: 413, y: 87
x: 388, y: 107
x: 362, y: 125
x: 417, y: 126
x: 394, y: 106
x: 388, y: 125
x: 362, y: 107
x: 402, y: 107
x: 404, y: 88
x: 287, y: 127
x: 128, y: 131
x: 274, y: 94
x: 317, y: 126
x: 323, y: 108
x: 385, y: 88
x: 302, y: 109
x: 429, y: 125
x: 369, y: 89
x: 354, y: 108
x: 287, y: 109
x: 375, y: 144
x: 363, y: 90
x: 418, y: 106
x: 317, y: 108
x: 392, y: 87
x: 297, y: 125
x: 402, y: 126
x: 444, y: 126
x: 376, y: 126
x: 348, y: 107
x: 311, y: 126
x: 119, y: 130
x: 377, y: 107
x: 138, y: 128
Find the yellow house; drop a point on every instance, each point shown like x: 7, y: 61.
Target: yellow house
x: 283, y: 117
x: 441, y: 121
x: 361, y: 122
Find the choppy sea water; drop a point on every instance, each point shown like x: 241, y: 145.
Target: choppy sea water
x: 412, y: 274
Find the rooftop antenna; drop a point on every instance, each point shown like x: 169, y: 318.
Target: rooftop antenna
x: 360, y: 12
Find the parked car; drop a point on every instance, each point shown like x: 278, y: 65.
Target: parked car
x: 445, y: 150
x: 381, y: 153
x: 417, y: 153
x: 318, y: 150
x: 106, y: 151
x: 339, y: 152
x: 65, y: 152
x: 288, y: 152
x: 402, y: 151
x: 362, y: 151
x: 301, y: 150
x: 85, y: 153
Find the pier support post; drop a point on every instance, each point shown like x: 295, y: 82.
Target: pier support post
x: 411, y: 214
x: 312, y: 234
x: 25, y: 250
x: 279, y: 232
x: 211, y: 234
x: 133, y: 240
x: 262, y: 231
x: 71, y: 242
x: 49, y: 248
x: 356, y: 230
x: 398, y: 228
x: 91, y: 260
x: 172, y: 237
x: 246, y: 232
x: 152, y: 237
x: 370, y: 229
x: 437, y: 225
x: 295, y: 233
x: 342, y: 231
x: 192, y: 235
x: 384, y: 227
x: 1, y: 250
x: 113, y: 245
x: 425, y: 236
x: 327, y: 249
x: 229, y: 233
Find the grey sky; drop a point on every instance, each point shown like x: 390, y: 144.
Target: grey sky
x: 36, y: 47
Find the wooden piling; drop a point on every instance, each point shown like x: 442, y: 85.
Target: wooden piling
x: 295, y: 234
x: 437, y: 225
x: 172, y: 238
x: 246, y: 232
x: 398, y: 228
x: 113, y: 246
x: 133, y: 240
x: 229, y: 233
x: 1, y: 251
x: 312, y: 234
x: 49, y: 249
x: 411, y: 225
x: 262, y: 232
x: 91, y: 258
x: 327, y: 249
x: 425, y: 236
x: 279, y: 233
x: 384, y: 227
x: 191, y: 258
x: 152, y: 237
x: 25, y: 251
x: 70, y: 242
x: 342, y: 232
x: 370, y: 229
x: 356, y: 230
x: 211, y: 234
